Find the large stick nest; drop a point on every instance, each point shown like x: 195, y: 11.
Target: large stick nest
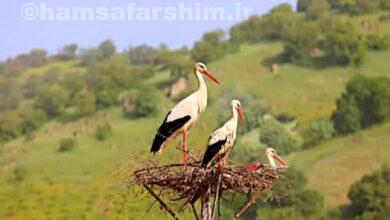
x: 191, y: 182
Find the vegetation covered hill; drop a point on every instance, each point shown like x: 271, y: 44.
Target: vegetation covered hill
x: 58, y: 164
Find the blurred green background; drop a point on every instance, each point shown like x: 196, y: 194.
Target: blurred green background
x: 314, y: 83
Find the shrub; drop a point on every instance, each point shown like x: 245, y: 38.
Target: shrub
x: 375, y: 42
x: 145, y: 100
x: 342, y: 44
x: 52, y: 100
x: 318, y: 130
x: 300, y: 43
x: 370, y: 195
x: 212, y: 47
x: 365, y: 102
x: 317, y: 9
x: 10, y: 125
x: 103, y: 131
x: 302, y: 5
x: 19, y: 174
x: 107, y: 48
x: 273, y: 134
x: 67, y: 144
x: 32, y: 119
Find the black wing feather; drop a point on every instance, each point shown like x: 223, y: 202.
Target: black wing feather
x: 165, y: 131
x: 211, y: 151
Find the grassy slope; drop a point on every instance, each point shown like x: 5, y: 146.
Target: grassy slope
x: 334, y: 165
x: 77, y: 184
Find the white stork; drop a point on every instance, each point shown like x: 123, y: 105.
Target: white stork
x: 222, y: 140
x: 183, y: 116
x: 271, y: 156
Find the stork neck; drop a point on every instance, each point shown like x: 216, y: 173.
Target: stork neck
x: 271, y: 160
x: 201, y: 82
x: 234, y: 114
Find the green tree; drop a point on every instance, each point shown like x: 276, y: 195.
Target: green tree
x: 212, y: 47
x: 67, y: 52
x: 317, y: 9
x: 366, y: 6
x: 343, y: 45
x: 365, y: 102
x: 52, y: 100
x: 107, y: 49
x: 302, y: 5
x: 145, y: 100
x: 142, y: 54
x: 10, y: 94
x: 273, y: 134
x: 370, y: 196
x: 279, y: 22
x: 10, y: 125
x: 83, y: 103
x: 376, y: 42
x: 300, y: 43
x: 32, y: 119
x: 318, y: 130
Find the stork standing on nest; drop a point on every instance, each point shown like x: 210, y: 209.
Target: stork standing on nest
x: 184, y: 115
x: 222, y: 140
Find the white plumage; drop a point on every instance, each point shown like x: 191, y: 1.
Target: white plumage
x: 222, y: 140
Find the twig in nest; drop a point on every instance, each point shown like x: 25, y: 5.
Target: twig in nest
x: 161, y: 202
x: 187, y: 184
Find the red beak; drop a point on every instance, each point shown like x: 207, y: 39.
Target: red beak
x: 281, y: 161
x: 211, y: 76
x: 240, y: 114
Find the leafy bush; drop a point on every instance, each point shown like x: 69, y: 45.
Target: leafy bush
x: 317, y: 9
x: 342, y: 44
x: 318, y: 130
x: 52, y: 100
x: 142, y: 54
x: 297, y: 202
x: 32, y: 119
x: 273, y: 134
x: 370, y: 195
x: 375, y: 42
x: 103, y: 131
x: 10, y: 95
x: 145, y: 100
x: 212, y: 47
x: 107, y: 48
x: 9, y: 125
x: 365, y: 102
x: 302, y: 5
x: 19, y: 174
x: 67, y: 144
x: 300, y: 43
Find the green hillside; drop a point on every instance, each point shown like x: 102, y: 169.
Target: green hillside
x: 79, y: 181
x: 37, y: 181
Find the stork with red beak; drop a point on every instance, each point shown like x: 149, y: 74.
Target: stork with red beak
x: 184, y: 115
x: 222, y: 140
x: 271, y: 156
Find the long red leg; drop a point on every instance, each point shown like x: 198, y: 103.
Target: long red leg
x: 184, y: 148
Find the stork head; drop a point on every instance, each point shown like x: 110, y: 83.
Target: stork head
x: 201, y: 68
x: 236, y: 105
x: 271, y: 155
